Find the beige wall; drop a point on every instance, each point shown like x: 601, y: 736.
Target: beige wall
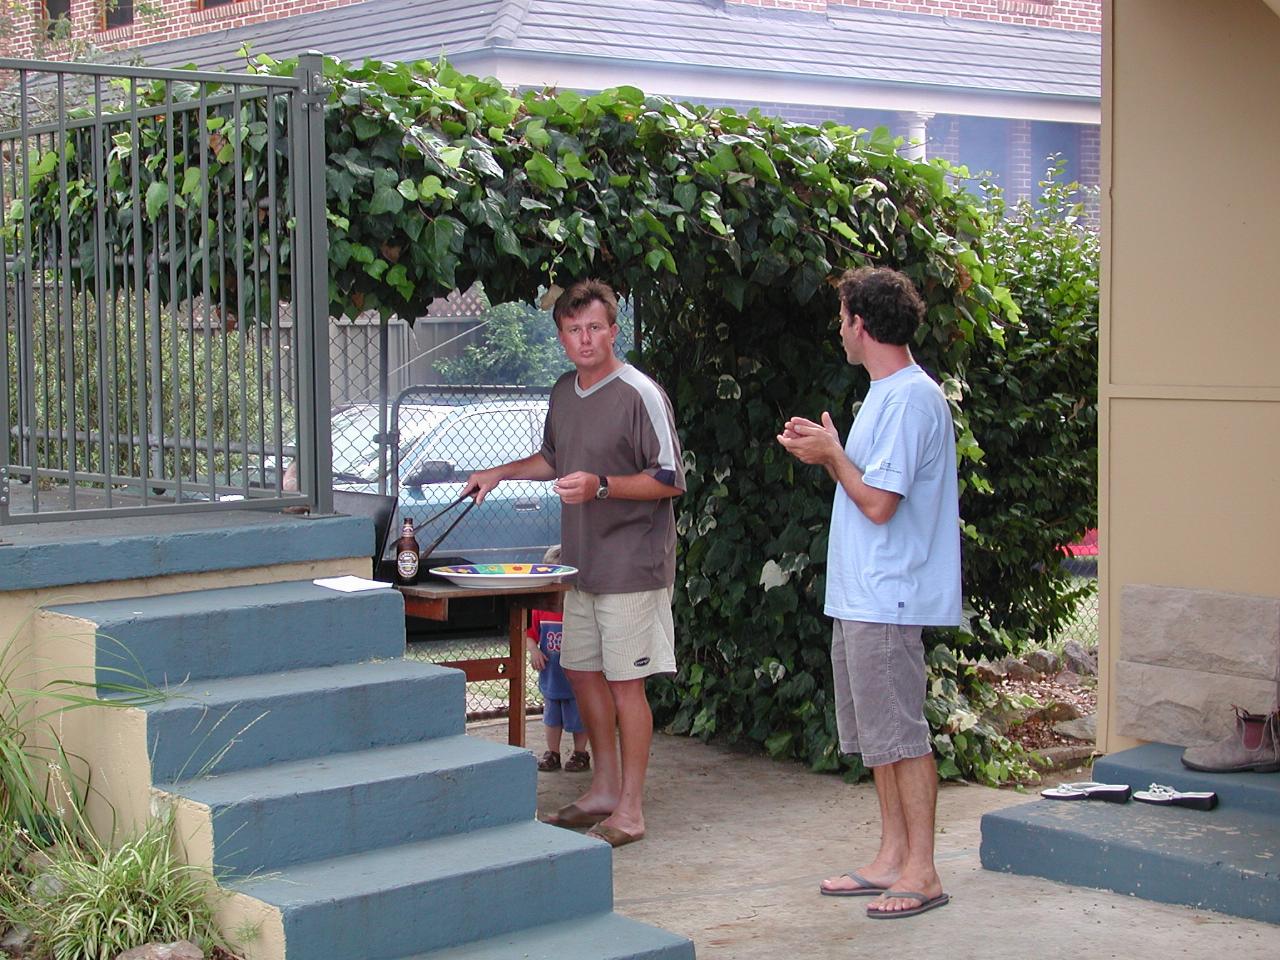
x: 1190, y: 344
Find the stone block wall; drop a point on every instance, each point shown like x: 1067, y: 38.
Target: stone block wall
x: 1186, y: 656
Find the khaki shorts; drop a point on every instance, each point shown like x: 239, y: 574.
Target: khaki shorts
x: 625, y: 636
x: 880, y: 682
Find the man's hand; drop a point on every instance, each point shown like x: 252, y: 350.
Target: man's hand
x: 577, y: 487
x: 809, y: 442
x: 481, y: 482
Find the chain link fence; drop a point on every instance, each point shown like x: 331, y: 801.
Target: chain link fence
x: 1082, y: 562
x: 486, y: 699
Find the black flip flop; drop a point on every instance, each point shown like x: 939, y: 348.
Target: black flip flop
x: 926, y: 904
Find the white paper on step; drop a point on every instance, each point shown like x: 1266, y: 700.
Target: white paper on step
x: 350, y: 584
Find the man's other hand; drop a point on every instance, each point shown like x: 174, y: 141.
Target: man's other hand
x: 577, y: 487
x: 811, y: 442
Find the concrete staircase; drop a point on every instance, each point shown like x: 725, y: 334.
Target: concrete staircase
x: 1226, y: 859
x: 339, y: 786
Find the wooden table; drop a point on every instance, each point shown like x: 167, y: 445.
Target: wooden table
x: 430, y: 600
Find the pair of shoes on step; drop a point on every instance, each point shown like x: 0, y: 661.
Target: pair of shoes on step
x: 1157, y: 793
x: 578, y: 761
x: 1254, y: 746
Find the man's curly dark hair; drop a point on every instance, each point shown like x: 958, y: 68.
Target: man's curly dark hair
x: 889, y: 304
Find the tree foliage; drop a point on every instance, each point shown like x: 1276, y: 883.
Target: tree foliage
x: 517, y: 344
x: 726, y: 232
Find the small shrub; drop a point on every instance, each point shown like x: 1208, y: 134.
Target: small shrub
x: 85, y: 901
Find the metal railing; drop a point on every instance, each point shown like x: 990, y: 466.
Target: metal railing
x: 155, y: 226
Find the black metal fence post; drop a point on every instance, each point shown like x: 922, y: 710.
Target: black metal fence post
x: 312, y: 278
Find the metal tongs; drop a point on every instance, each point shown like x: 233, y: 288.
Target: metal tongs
x: 457, y: 520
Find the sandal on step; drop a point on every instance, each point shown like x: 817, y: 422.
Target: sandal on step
x: 1089, y: 790
x: 1169, y: 797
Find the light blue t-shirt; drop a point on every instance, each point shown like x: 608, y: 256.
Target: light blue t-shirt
x: 906, y: 571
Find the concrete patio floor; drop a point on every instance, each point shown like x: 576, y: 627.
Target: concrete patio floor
x: 737, y: 843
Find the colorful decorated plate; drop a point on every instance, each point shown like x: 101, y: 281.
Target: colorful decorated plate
x: 504, y: 574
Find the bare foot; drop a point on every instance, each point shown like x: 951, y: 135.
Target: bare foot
x: 930, y: 886
x: 596, y: 803
x: 871, y: 879
x: 632, y: 824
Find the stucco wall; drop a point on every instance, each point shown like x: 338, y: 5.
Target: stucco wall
x: 1189, y: 382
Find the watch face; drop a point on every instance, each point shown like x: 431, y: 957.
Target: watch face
x: 602, y: 491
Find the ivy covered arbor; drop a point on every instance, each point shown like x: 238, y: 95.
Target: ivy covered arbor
x: 726, y: 231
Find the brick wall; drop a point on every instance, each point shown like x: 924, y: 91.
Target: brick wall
x: 171, y: 19
x: 162, y: 20
x: 1019, y: 177
x: 1081, y: 15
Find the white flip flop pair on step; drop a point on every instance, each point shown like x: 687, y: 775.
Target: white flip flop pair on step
x: 1157, y: 793
x: 1089, y: 790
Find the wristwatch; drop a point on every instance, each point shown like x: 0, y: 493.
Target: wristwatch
x: 602, y: 491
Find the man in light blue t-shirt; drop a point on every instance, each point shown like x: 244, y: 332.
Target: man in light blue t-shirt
x: 893, y: 567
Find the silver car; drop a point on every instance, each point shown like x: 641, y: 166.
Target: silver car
x: 440, y: 445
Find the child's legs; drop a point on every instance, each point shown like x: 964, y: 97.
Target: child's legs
x: 572, y: 721
x: 553, y: 721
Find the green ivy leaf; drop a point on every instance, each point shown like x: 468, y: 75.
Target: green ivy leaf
x: 386, y: 199
x: 544, y: 173
x: 156, y: 198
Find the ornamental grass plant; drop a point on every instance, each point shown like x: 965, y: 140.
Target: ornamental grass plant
x: 82, y: 898
x: 85, y: 900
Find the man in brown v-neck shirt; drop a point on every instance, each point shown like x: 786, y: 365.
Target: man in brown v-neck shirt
x: 610, y: 443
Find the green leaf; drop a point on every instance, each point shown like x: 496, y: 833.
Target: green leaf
x: 407, y: 189
x: 544, y: 173
x: 507, y: 242
x: 573, y: 166
x: 386, y: 199
x: 190, y: 181
x: 430, y: 187
x: 452, y: 157
x: 483, y: 161
x: 156, y: 198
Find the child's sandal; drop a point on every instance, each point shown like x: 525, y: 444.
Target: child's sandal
x: 549, y: 761
x: 578, y: 762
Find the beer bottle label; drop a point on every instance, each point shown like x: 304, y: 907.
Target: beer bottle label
x: 407, y: 564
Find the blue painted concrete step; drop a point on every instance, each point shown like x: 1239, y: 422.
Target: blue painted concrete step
x: 243, y: 722
x: 1224, y: 860
x: 73, y: 552
x: 603, y: 937
x: 237, y: 631
x: 420, y: 897
x: 272, y: 817
x: 1161, y: 763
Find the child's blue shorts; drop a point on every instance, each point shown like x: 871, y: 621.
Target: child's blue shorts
x: 562, y: 713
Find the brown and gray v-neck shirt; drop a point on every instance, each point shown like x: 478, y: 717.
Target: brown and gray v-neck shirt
x: 621, y: 426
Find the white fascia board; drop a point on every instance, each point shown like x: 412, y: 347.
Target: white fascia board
x: 699, y: 83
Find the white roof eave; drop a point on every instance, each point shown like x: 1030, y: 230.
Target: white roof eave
x: 712, y: 84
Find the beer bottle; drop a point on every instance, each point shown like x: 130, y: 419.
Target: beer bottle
x: 407, y: 554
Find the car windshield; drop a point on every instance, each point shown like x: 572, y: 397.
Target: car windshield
x: 356, y: 452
